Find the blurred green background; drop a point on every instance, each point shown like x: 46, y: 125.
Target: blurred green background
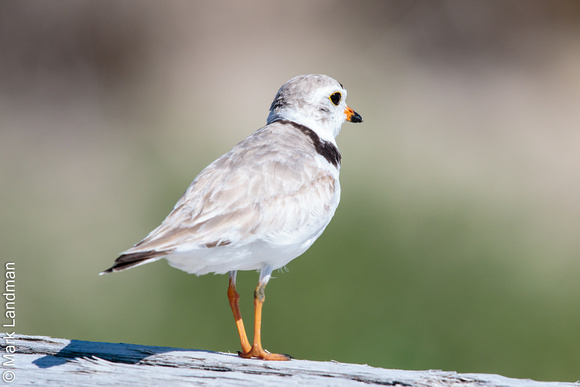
x: 456, y: 243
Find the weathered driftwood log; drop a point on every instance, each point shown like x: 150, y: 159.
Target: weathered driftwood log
x: 45, y: 361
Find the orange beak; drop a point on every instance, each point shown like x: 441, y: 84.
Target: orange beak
x: 352, y: 116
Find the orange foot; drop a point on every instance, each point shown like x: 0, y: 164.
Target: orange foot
x: 260, y: 353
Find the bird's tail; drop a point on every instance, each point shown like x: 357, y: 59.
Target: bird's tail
x: 127, y: 261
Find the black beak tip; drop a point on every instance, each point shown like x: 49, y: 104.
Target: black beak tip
x: 356, y: 118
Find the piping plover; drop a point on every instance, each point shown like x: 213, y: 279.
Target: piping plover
x: 263, y: 203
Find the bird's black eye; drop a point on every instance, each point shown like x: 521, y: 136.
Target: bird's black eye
x: 335, y: 98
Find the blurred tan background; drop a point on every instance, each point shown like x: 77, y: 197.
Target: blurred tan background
x: 455, y: 246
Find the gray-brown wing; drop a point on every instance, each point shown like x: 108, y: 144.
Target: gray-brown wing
x: 270, y: 187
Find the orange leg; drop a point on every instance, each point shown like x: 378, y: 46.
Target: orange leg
x: 234, y: 298
x: 256, y: 350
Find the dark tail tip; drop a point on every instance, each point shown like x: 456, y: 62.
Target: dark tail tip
x: 127, y: 261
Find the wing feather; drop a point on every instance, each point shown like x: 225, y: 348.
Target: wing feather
x: 271, y: 186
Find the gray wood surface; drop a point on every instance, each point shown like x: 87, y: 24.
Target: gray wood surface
x: 44, y: 361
